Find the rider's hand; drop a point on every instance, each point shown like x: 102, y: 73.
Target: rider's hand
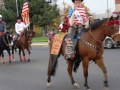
x: 90, y: 17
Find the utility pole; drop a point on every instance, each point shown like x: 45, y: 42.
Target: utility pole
x: 107, y: 9
x: 63, y: 5
x: 17, y: 7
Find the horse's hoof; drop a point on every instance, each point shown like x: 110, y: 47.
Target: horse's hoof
x: 28, y: 60
x: 76, y: 86
x: 49, y: 85
x: 89, y: 89
x: 13, y: 60
x: 106, y: 88
x: 3, y: 63
x: 9, y: 61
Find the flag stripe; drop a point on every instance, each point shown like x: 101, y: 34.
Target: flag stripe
x: 25, y: 13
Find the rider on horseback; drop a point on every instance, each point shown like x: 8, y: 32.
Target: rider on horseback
x: 78, y: 18
x: 2, y: 26
x: 19, y: 28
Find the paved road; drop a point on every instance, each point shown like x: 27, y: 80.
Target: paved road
x: 33, y: 75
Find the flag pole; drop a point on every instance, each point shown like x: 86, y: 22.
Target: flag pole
x: 17, y: 7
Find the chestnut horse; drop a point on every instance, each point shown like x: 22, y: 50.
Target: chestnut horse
x: 23, y: 42
x: 89, y: 48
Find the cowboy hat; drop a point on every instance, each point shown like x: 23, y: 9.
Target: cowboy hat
x: 0, y: 16
x: 74, y: 0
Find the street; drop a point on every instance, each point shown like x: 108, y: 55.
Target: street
x: 33, y: 75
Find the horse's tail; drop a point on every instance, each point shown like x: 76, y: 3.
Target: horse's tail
x: 76, y: 63
x: 52, y: 65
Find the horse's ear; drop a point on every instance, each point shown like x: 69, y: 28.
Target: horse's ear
x: 117, y: 17
x: 111, y: 18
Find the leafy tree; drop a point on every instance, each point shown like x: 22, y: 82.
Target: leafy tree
x: 41, y: 13
x: 9, y: 14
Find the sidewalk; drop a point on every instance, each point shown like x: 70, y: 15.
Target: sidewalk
x: 40, y: 44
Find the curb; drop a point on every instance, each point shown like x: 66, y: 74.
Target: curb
x: 37, y: 44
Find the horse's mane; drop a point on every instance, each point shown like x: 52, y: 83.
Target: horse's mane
x: 97, y: 24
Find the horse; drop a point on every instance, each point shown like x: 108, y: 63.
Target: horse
x: 5, y: 44
x: 89, y: 48
x: 23, y: 42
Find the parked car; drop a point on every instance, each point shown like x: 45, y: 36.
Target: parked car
x: 109, y: 43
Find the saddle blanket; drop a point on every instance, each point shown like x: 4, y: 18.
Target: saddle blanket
x: 57, y: 42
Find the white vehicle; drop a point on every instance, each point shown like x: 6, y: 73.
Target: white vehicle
x: 109, y: 43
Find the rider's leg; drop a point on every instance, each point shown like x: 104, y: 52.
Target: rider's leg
x: 82, y: 30
x: 71, y: 43
x: 15, y: 39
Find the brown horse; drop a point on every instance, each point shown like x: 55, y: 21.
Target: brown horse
x: 89, y: 48
x: 23, y: 42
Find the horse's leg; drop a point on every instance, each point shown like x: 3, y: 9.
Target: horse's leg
x: 70, y: 67
x: 20, y: 55
x: 101, y: 65
x: 2, y: 57
x: 13, y: 54
x: 85, y: 63
x: 24, y: 54
x: 28, y: 53
x: 10, y: 58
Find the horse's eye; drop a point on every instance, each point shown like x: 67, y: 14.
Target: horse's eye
x: 111, y: 28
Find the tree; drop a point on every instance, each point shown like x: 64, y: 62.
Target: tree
x: 41, y: 13
x: 9, y: 13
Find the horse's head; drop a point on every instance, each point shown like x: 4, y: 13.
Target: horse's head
x: 26, y: 37
x: 112, y: 26
x: 7, y: 37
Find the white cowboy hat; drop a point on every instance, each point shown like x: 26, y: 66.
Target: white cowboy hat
x: 0, y: 16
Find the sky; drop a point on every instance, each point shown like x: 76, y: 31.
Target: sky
x: 95, y: 6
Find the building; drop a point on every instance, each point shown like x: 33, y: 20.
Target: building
x: 109, y: 13
x: 117, y: 5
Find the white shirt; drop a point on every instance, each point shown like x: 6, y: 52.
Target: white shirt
x: 19, y: 27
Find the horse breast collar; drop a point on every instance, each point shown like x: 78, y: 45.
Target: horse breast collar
x: 109, y: 23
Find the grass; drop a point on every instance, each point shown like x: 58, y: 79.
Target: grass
x: 39, y: 39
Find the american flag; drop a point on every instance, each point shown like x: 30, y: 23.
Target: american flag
x: 25, y: 12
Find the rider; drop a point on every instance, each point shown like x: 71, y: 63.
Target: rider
x: 2, y: 26
x: 50, y: 34
x: 19, y: 28
x: 78, y: 17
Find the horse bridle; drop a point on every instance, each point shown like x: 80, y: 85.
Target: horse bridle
x: 94, y: 37
x: 5, y: 41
